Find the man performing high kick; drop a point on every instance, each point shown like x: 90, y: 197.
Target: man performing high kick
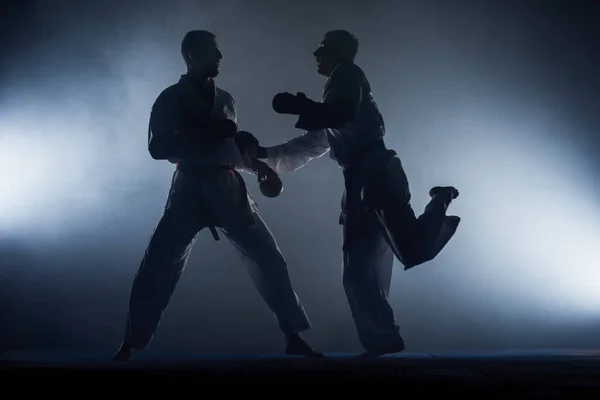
x: 377, y: 215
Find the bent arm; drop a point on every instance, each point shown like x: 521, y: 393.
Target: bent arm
x: 341, y: 101
x: 170, y: 138
x: 297, y: 152
x: 244, y: 163
x: 247, y: 165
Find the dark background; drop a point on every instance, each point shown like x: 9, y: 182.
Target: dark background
x: 500, y: 99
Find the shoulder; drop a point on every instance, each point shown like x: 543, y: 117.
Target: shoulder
x: 168, y: 96
x: 226, y: 96
x: 348, y: 71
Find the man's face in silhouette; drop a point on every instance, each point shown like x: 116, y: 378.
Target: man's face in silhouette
x: 326, y: 57
x: 205, y: 57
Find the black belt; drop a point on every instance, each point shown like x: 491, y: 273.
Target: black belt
x: 202, y: 169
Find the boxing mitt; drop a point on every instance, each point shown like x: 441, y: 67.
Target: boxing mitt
x: 271, y: 185
x: 269, y: 182
x: 287, y: 103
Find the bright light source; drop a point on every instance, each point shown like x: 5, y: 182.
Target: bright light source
x: 46, y: 176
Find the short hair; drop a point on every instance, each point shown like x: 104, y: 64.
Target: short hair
x: 194, y: 39
x: 343, y: 42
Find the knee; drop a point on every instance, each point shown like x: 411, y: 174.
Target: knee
x: 153, y: 261
x: 156, y: 255
x: 160, y: 261
x: 272, y: 258
x: 278, y: 259
x: 351, y: 277
x: 169, y: 245
x: 271, y: 268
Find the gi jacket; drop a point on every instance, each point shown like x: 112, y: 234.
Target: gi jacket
x: 205, y: 185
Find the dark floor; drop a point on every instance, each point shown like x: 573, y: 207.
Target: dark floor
x: 507, y: 374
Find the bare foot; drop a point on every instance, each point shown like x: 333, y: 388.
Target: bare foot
x: 124, y: 353
x: 296, y: 346
x: 391, y: 349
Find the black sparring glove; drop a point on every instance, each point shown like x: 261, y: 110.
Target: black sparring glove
x: 261, y: 152
x: 287, y: 103
x: 245, y: 139
x: 269, y: 182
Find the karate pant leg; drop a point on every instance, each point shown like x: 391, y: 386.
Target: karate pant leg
x: 367, y: 275
x: 268, y: 269
x: 415, y: 240
x: 163, y: 263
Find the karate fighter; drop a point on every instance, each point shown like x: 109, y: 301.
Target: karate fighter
x: 193, y: 125
x: 377, y: 216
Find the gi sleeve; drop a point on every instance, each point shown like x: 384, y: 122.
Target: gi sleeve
x: 297, y: 152
x: 243, y: 162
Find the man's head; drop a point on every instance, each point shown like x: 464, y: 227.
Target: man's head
x: 201, y: 53
x: 337, y: 46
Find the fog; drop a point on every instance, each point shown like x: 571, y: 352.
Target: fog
x: 497, y: 100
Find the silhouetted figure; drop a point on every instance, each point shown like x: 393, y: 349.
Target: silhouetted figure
x: 193, y: 124
x: 376, y: 212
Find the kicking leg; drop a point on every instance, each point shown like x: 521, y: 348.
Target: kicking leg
x: 434, y: 226
x: 414, y: 240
